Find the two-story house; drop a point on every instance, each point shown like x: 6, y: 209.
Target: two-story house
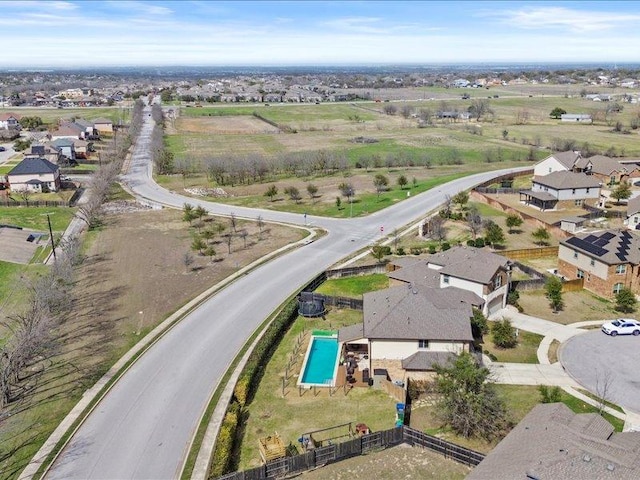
x: 9, y: 121
x: 34, y: 174
x: 558, y: 162
x: 562, y: 189
x: 607, y: 261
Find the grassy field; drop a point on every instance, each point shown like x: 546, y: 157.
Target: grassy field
x: 52, y: 115
x: 354, y: 287
x: 35, y: 218
x: 578, y: 306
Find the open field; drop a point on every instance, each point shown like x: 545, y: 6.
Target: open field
x: 122, y: 291
x: 578, y: 306
x: 35, y: 218
x: 52, y: 115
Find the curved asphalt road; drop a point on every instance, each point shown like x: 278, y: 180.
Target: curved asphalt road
x: 142, y: 428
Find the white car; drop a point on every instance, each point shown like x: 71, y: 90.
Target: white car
x: 622, y: 326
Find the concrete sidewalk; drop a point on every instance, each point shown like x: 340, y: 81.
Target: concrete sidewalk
x: 531, y: 374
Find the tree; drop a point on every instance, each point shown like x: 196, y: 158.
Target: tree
x: 338, y: 203
x: 437, y: 230
x: 513, y: 221
x: 347, y: 190
x: 312, y: 190
x: 30, y: 123
x: 198, y: 244
x: 621, y: 192
x: 243, y: 235
x: 540, y: 236
x: 200, y: 212
x: 381, y: 183
x: 293, y: 193
x: 188, y: 215
x: 479, y: 325
x: 504, y: 334
x: 379, y: 252
x: 271, y: 192
x: 164, y: 162
x: 626, y: 300
x: 461, y: 198
x: 553, y: 291
x: 406, y: 111
x: 468, y: 399
x: 402, y: 182
x: 210, y: 252
x: 390, y: 109
x: 557, y: 112
x: 260, y: 223
x: 233, y: 222
x: 493, y: 233
x: 187, y: 260
x: 474, y: 220
x: 479, y: 107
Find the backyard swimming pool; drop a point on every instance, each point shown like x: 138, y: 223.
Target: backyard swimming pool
x: 320, y: 363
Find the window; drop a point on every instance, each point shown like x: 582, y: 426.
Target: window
x: 445, y: 278
x: 620, y: 269
x: 423, y: 343
x: 588, y: 277
x: 497, y: 283
x: 617, y: 287
x: 580, y: 274
x: 592, y: 262
x: 575, y: 254
x: 578, y: 202
x: 549, y: 169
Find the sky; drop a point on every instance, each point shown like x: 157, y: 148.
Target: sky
x: 265, y: 33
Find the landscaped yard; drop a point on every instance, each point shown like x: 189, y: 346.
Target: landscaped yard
x: 295, y: 414
x: 35, y: 218
x: 524, y: 352
x: 354, y: 287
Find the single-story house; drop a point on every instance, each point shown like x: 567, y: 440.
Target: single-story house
x: 483, y: 273
x: 552, y: 442
x: 561, y: 190
x: 558, y: 162
x: 9, y: 121
x: 576, y: 118
x: 411, y: 327
x: 607, y: 261
x: 68, y: 130
x: 34, y: 174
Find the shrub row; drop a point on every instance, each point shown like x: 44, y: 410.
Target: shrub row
x: 245, y: 388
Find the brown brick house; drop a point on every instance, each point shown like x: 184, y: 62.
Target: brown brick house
x: 606, y: 260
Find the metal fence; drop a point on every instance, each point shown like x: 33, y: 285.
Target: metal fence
x: 344, y: 272
x: 351, y: 448
x: 495, y: 191
x: 33, y: 203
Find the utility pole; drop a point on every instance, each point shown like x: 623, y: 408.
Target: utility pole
x: 53, y: 245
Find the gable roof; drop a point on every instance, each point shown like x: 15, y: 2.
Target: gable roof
x: 566, y: 159
x: 612, y: 247
x: 553, y: 442
x: 415, y: 312
x: 33, y: 166
x: 63, y: 142
x: 102, y: 121
x: 564, y: 180
x: 426, y: 360
x: 468, y: 263
x: 6, y: 116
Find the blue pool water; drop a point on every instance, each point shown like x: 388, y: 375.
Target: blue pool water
x: 321, y: 361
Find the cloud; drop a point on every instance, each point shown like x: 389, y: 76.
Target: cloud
x: 375, y: 25
x: 560, y: 17
x: 141, y: 7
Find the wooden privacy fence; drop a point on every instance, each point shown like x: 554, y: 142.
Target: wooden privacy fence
x: 346, y: 272
x: 351, y: 448
x: 396, y: 391
x: 33, y: 203
x: 527, y: 253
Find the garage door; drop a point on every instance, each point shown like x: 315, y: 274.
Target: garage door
x: 495, y: 305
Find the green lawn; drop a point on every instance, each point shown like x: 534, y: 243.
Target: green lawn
x: 35, y: 217
x: 524, y: 352
x: 354, y: 287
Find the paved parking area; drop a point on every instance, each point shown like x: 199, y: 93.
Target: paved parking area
x: 594, y: 357
x: 14, y: 246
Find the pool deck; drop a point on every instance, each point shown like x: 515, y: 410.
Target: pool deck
x: 341, y: 377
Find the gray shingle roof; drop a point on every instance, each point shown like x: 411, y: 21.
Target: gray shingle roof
x: 351, y: 332
x: 567, y: 159
x: 552, y: 442
x: 469, y: 263
x: 426, y: 360
x: 612, y: 247
x: 607, y: 165
x: 33, y: 166
x: 564, y: 180
x: 416, y: 312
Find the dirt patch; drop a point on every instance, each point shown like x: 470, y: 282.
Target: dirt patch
x: 241, y: 124
x: 402, y: 461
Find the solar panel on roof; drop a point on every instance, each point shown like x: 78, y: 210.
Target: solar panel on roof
x: 608, y: 235
x: 622, y: 257
x: 587, y: 247
x: 601, y: 242
x: 590, y: 238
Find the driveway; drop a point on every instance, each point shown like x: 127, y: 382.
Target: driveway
x: 594, y: 359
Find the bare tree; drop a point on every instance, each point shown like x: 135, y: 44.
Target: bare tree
x: 233, y: 221
x: 244, y: 234
x: 260, y: 223
x: 437, y: 230
x: 474, y: 220
x: 604, y: 381
x: 187, y: 260
x: 229, y: 238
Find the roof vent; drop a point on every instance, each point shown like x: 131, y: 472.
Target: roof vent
x: 586, y: 458
x: 611, y: 467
